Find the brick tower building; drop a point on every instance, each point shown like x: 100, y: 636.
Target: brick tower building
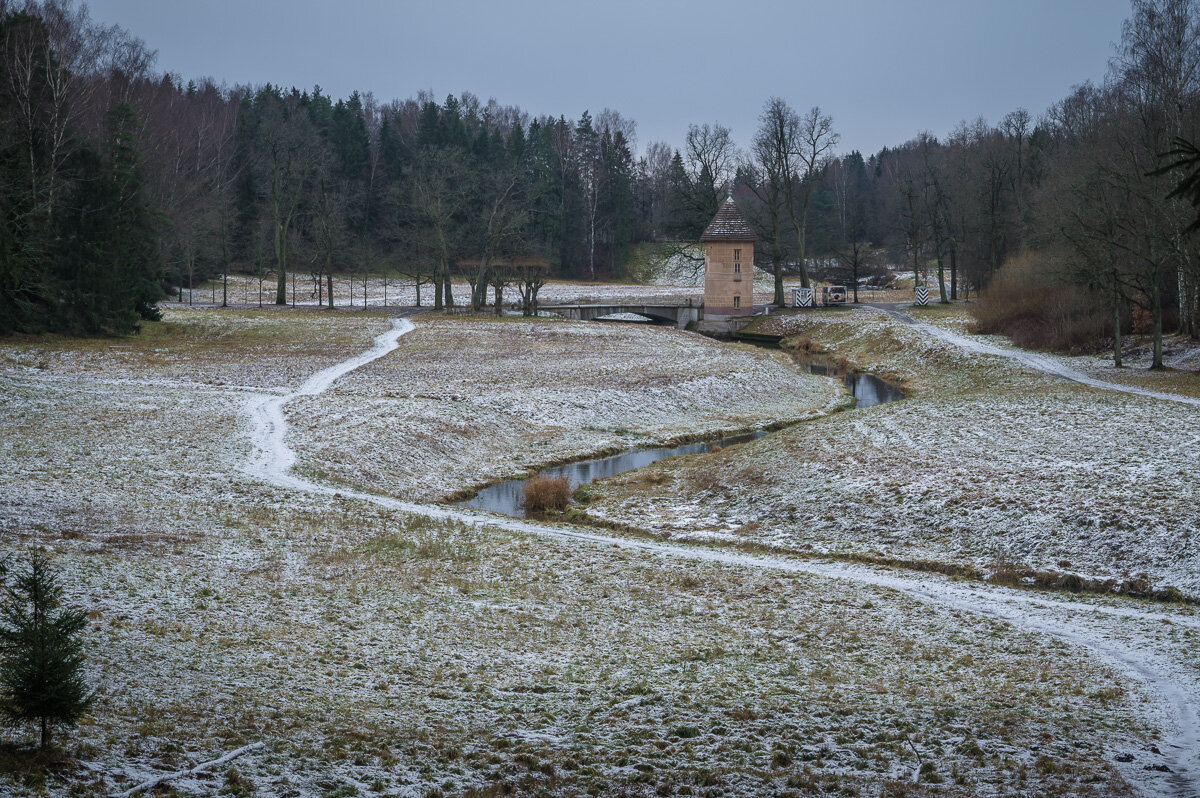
x: 728, y: 264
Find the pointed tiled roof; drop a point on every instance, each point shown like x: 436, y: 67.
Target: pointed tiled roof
x: 729, y: 225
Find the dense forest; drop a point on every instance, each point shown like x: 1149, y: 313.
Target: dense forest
x: 121, y: 185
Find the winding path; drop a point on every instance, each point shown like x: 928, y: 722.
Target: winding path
x: 1048, y: 364
x: 1123, y: 634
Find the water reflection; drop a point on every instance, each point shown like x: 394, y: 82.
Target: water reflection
x: 867, y: 389
x: 505, y: 497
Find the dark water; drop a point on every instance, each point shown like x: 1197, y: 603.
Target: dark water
x: 505, y: 497
x: 867, y: 389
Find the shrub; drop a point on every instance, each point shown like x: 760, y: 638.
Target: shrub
x: 543, y: 494
x: 1030, y: 301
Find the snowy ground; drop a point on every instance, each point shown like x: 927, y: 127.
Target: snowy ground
x: 243, y: 291
x: 472, y: 401
x: 989, y: 463
x: 677, y: 285
x: 378, y: 650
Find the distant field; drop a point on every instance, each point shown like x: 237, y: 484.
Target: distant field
x: 676, y: 285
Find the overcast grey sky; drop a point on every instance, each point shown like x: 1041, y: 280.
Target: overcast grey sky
x: 885, y: 69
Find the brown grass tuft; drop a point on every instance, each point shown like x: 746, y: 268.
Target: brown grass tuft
x: 543, y: 494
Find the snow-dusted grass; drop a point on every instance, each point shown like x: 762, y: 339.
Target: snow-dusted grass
x: 379, y: 653
x: 988, y: 463
x: 375, y: 650
x: 201, y: 347
x: 468, y: 401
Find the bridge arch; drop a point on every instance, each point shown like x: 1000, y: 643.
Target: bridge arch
x: 679, y: 315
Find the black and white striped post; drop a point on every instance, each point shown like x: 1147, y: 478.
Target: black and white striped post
x: 922, y: 295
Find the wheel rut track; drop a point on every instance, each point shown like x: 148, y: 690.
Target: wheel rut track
x: 1047, y: 364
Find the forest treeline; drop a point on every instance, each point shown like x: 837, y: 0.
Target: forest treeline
x: 120, y: 185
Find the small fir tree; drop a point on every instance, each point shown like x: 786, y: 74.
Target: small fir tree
x: 41, y: 652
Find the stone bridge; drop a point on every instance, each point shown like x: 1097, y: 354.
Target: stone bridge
x: 679, y: 315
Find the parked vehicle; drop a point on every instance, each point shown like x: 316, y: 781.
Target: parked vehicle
x: 833, y: 295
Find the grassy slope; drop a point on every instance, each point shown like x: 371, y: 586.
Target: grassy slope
x: 986, y: 463
x: 378, y: 653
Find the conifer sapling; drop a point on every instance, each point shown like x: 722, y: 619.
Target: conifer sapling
x: 41, y: 652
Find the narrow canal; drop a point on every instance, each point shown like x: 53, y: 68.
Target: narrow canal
x: 506, y: 497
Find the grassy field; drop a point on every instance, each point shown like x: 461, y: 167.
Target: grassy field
x: 466, y: 402
x: 379, y: 653
x: 988, y: 464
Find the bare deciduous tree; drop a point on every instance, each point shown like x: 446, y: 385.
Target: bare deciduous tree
x: 815, y: 140
x: 711, y: 158
x: 436, y: 184
x: 770, y: 168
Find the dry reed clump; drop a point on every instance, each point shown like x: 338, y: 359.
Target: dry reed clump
x: 802, y: 344
x: 1030, y: 302
x: 543, y: 494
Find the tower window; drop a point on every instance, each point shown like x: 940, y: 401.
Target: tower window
x: 737, y: 266
x: 737, y: 301
x: 737, y: 254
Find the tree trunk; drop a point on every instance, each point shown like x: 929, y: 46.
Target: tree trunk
x: 329, y: 288
x: 1185, y: 309
x: 592, y: 240
x: 942, y: 279
x: 917, y: 266
x: 281, y: 266
x: 1157, y: 313
x: 1116, y: 302
x: 479, y: 288
x: 777, y: 248
x: 954, y: 272
x: 854, y: 270
x: 800, y: 252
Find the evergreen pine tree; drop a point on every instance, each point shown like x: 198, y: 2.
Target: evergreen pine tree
x: 681, y: 220
x: 41, y: 653
x: 246, y: 203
